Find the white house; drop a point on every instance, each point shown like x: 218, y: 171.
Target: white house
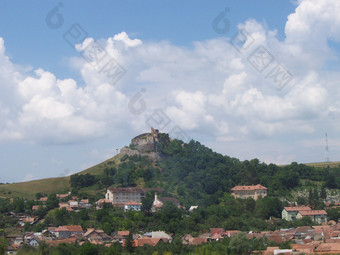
x: 132, y: 206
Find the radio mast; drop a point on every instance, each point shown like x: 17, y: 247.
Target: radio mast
x: 326, y: 150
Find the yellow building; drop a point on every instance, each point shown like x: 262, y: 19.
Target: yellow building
x: 253, y: 191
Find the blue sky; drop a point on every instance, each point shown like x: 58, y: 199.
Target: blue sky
x: 60, y: 115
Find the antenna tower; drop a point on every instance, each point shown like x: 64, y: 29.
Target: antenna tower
x: 326, y: 150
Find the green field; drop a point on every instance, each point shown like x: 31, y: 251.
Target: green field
x: 324, y: 164
x: 49, y: 185
x: 30, y: 188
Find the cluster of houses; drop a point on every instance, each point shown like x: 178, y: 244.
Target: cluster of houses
x: 298, y: 212
x: 324, y: 239
x: 305, y: 240
x: 70, y: 203
x: 74, y: 234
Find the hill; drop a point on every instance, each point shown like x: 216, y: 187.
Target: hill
x: 189, y: 171
x: 30, y: 188
x: 60, y: 184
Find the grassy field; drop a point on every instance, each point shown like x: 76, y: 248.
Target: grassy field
x: 50, y: 185
x: 30, y: 188
x: 324, y: 164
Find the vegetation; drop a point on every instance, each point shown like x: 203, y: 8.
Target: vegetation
x: 192, y: 173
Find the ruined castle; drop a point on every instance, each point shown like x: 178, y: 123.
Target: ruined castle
x: 144, y: 145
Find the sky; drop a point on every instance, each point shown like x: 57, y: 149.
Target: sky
x: 249, y: 79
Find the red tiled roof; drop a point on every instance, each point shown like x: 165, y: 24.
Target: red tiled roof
x: 37, y: 207
x: 313, y: 212
x: 252, y: 187
x: 43, y: 199
x: 71, y: 228
x: 149, y: 241
x: 297, y: 208
x: 132, y: 203
x: 62, y: 205
x: 133, y: 190
x: 123, y: 233
x: 198, y: 241
x: 62, y: 195
x: 328, y: 247
x: 66, y: 240
x: 102, y: 201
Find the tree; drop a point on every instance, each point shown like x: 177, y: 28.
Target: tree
x: 147, y: 202
x: 52, y: 201
x: 88, y: 249
x: 323, y: 193
x: 3, y: 245
x: 129, y: 243
x: 240, y: 244
x: 107, y: 228
x: 39, y: 195
x: 43, y: 248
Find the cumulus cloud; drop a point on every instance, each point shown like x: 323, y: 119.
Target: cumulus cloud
x: 207, y: 88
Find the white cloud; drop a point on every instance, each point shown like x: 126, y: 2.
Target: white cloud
x: 207, y: 88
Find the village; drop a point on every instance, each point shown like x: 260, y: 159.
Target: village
x: 322, y: 238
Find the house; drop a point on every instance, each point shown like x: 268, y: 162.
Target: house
x: 34, y: 242
x: 317, y: 216
x: 96, y: 235
x: 30, y: 220
x: 73, y: 204
x: 132, y: 206
x: 253, y: 191
x: 66, y: 206
x: 330, y: 248
x: 159, y: 201
x: 148, y: 241
x: 63, y: 196
x: 289, y: 213
x: 37, y: 207
x: 123, y: 195
x: 120, y: 236
x: 100, y: 203
x: 159, y: 234
x: 70, y: 240
x: 84, y: 203
x: 192, y: 208
x: 197, y: 241
x: 66, y: 231
x: 43, y: 200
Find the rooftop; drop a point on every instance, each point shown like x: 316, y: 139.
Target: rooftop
x: 297, y: 208
x: 252, y: 187
x: 313, y: 212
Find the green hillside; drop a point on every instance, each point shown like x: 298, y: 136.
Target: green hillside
x: 50, y: 185
x: 30, y: 188
x: 189, y: 171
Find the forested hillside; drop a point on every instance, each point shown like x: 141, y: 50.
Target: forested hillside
x: 196, y: 175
